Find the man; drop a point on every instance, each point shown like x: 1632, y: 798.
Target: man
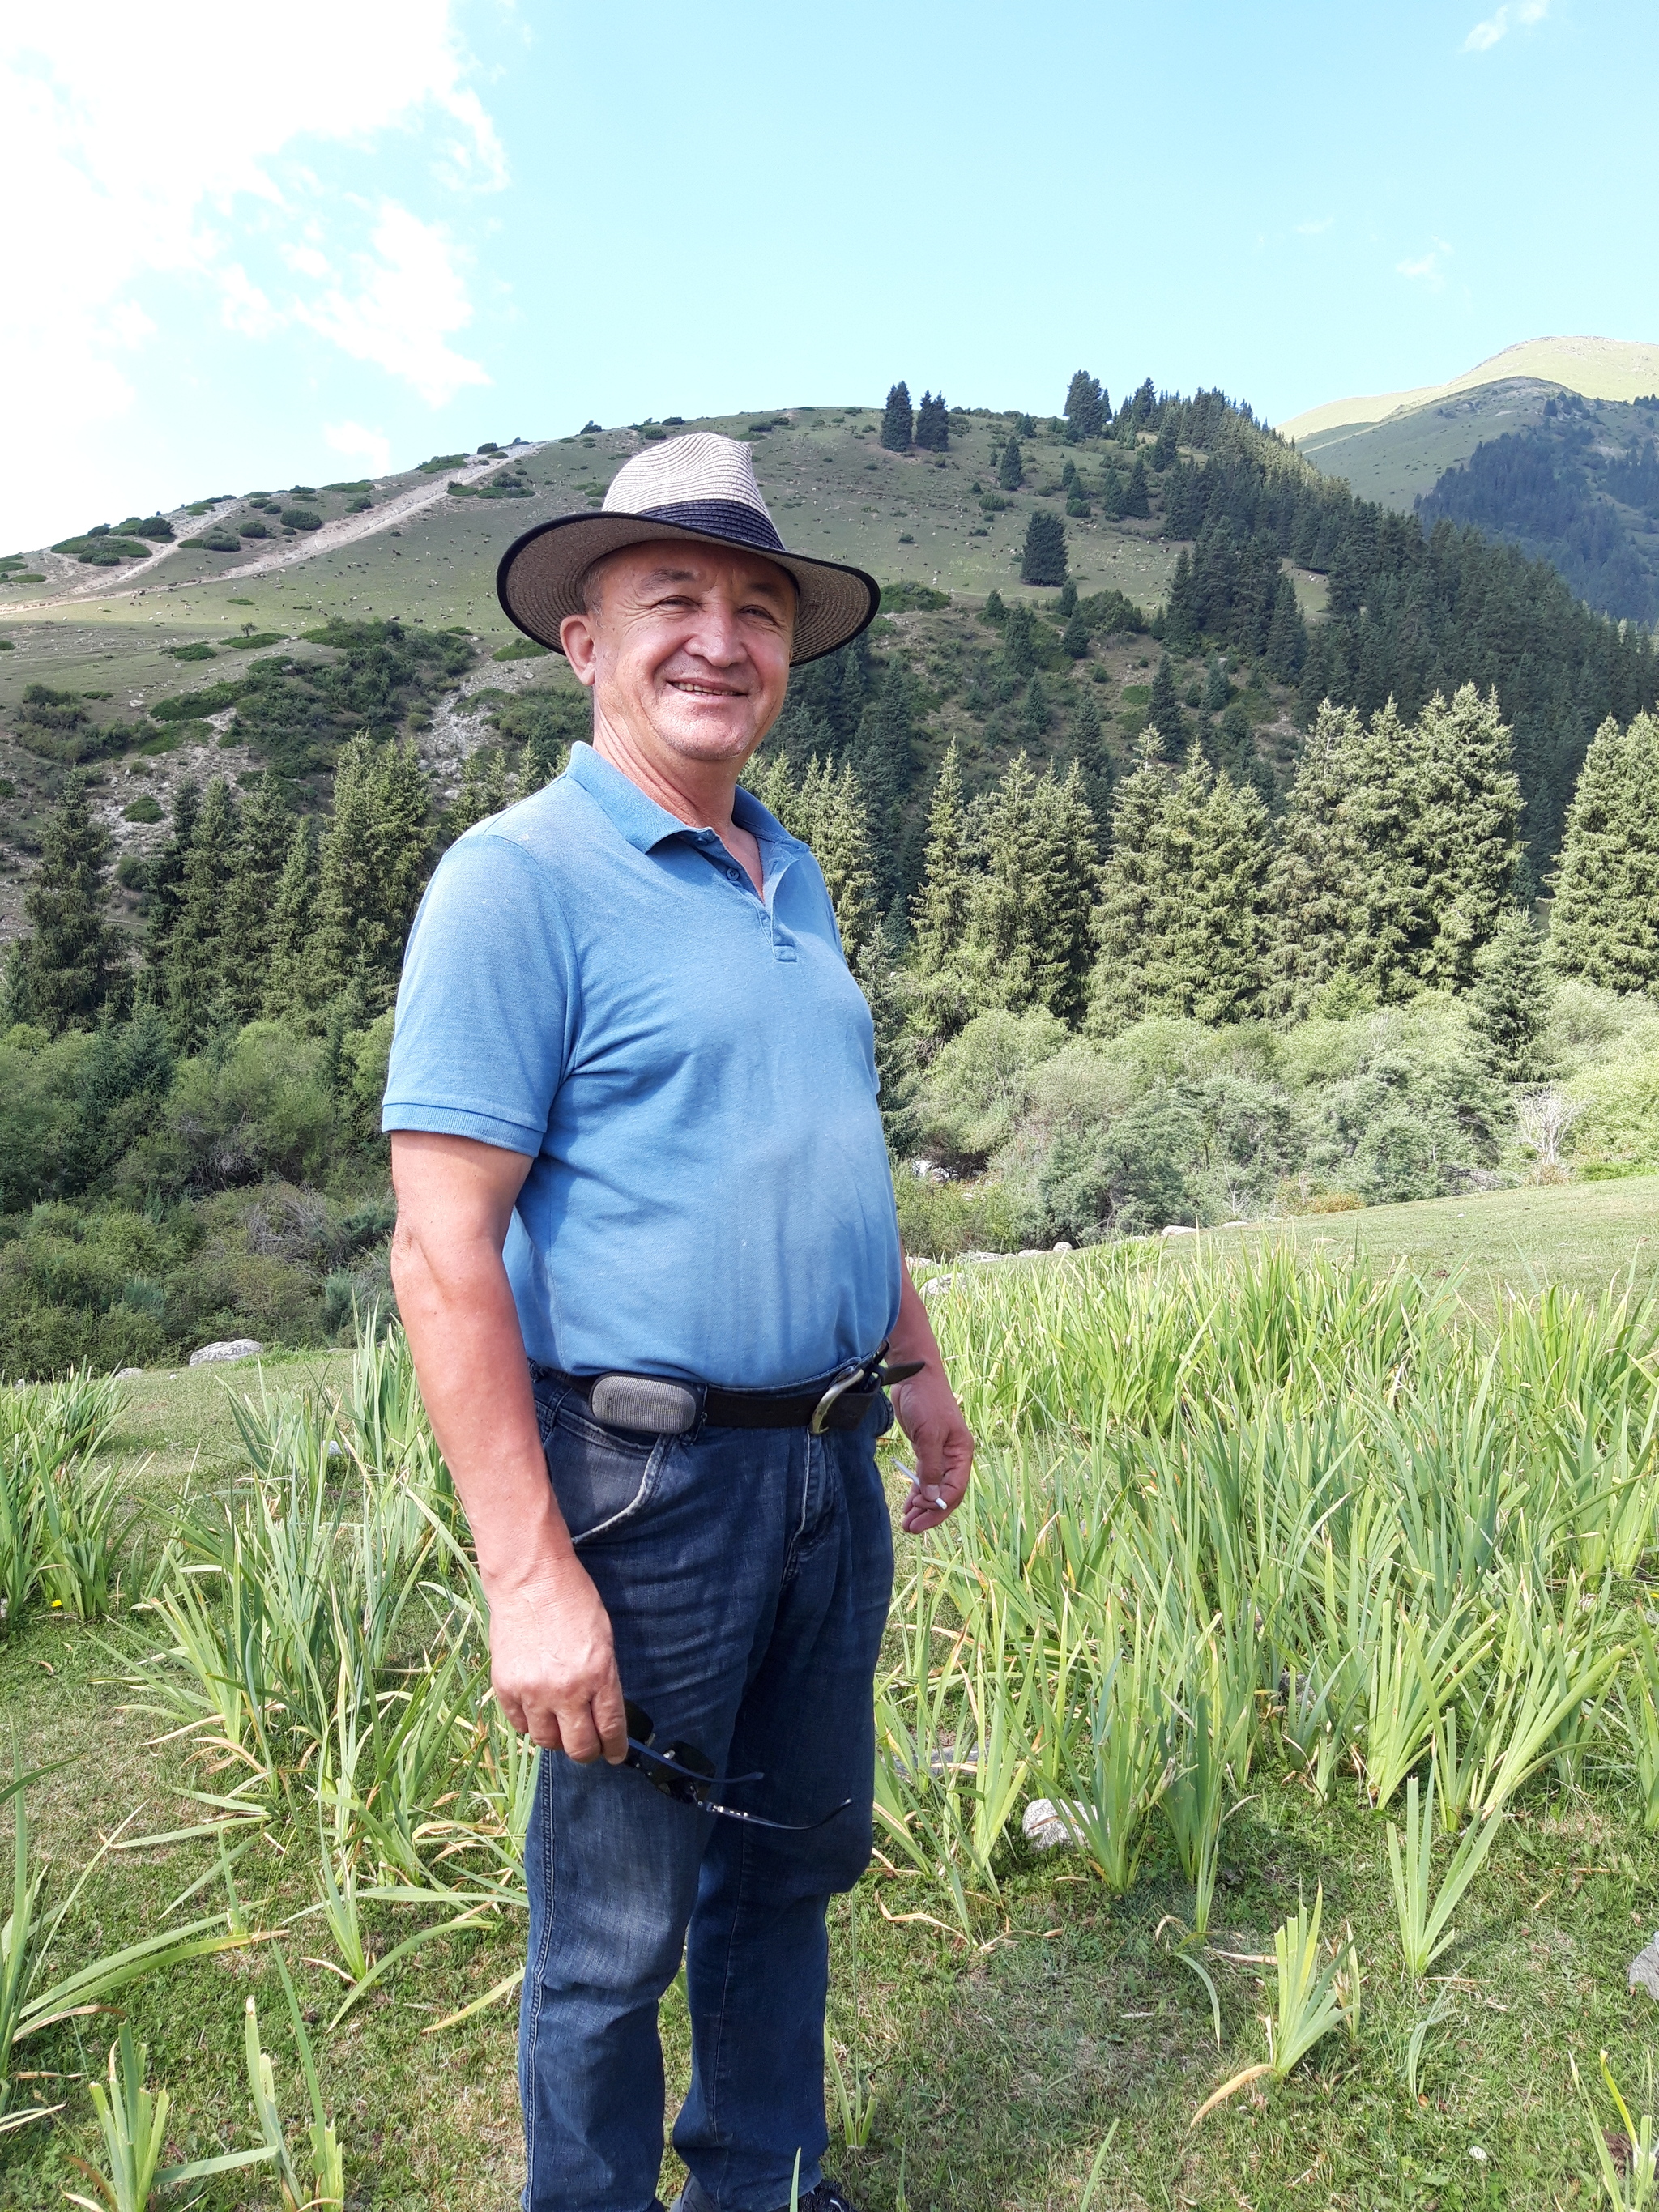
x: 649, y: 1262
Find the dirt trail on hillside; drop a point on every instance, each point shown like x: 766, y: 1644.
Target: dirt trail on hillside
x: 345, y: 530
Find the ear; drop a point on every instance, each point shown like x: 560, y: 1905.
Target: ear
x: 580, y: 647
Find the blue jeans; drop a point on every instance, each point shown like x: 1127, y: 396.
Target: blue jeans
x: 747, y: 1575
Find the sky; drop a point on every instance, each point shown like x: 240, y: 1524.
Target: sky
x: 251, y: 247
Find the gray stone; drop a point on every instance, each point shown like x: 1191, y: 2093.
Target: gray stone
x: 1644, y: 1969
x: 1178, y: 1229
x: 128, y: 1374
x: 234, y: 1347
x: 935, y: 1282
x: 1062, y: 1247
x: 1046, y: 1826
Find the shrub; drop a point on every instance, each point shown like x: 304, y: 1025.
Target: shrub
x: 142, y: 809
x: 1617, y: 1127
x: 908, y: 598
x: 188, y: 706
x: 214, y: 541
x: 199, y: 650
x: 940, y: 1221
x: 265, y: 1109
x: 521, y: 648
x: 301, y: 518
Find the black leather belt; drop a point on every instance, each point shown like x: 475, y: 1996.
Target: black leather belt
x: 662, y: 1406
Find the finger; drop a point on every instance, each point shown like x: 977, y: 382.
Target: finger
x: 612, y: 1721
x: 580, y: 1737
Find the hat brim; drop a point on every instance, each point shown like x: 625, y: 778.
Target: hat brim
x: 539, y: 581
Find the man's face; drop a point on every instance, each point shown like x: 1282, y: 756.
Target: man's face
x: 687, y: 644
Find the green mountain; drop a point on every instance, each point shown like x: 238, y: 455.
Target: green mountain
x: 1547, y: 446
x: 235, y: 634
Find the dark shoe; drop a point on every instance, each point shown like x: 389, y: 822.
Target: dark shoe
x: 827, y: 2197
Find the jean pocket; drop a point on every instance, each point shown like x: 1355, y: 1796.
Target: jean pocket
x: 601, y: 1477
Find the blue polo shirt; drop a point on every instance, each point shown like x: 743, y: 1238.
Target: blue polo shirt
x: 689, y: 1068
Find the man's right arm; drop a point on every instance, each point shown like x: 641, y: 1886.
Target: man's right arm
x: 551, y: 1659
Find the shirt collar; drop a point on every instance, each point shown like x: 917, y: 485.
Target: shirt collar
x: 646, y: 825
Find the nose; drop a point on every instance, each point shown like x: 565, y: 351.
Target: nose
x: 716, y: 637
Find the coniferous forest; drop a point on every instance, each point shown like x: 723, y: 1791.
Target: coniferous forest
x: 1350, y: 893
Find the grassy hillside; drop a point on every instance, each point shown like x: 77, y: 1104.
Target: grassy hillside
x: 1600, y: 368
x: 421, y: 554
x: 1393, y: 461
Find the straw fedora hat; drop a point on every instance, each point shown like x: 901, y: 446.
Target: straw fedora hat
x: 700, y: 488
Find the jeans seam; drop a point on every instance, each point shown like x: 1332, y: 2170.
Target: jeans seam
x: 538, y: 1966
x: 726, y: 1992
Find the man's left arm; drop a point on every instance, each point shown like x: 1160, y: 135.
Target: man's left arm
x: 930, y: 1416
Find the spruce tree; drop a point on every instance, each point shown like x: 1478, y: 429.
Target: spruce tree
x: 1034, y: 713
x: 1164, y: 712
x: 194, y: 994
x: 1066, y: 603
x: 1065, y: 864
x: 897, y: 421
x: 1164, y: 449
x: 1011, y: 469
x: 836, y: 820
x: 1605, y: 922
x: 1399, y: 851
x: 371, y: 866
x: 939, y: 914
x: 62, y: 973
x: 292, y: 916
x: 1464, y: 837
x: 1137, y: 494
x: 1006, y: 927
x: 1088, y: 751
x: 1217, y: 691
x: 483, y: 792
x: 1287, y: 645
x: 1180, y: 626
x: 1511, y: 996
x: 1074, y: 638
x: 544, y: 757
x: 164, y: 883
x: 1182, y: 925
x: 1043, y: 559
x: 1018, y: 640
x: 932, y: 426
x: 250, y: 897
x: 1086, y: 407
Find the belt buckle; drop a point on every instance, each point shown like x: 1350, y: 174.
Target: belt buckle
x: 841, y: 1381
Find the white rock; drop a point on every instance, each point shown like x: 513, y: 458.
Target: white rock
x: 1644, y: 1968
x: 1062, y: 1247
x: 1174, y: 1229
x: 1046, y: 1826
x: 935, y: 1282
x: 128, y: 1374
x: 234, y: 1347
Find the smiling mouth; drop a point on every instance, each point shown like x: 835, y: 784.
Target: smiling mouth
x: 693, y: 690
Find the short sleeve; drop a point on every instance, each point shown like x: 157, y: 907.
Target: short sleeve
x: 487, y: 1001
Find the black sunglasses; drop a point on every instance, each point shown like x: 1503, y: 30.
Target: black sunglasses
x: 687, y: 1775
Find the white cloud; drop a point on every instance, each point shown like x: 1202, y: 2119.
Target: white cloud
x: 1502, y: 21
x: 411, y: 297
x: 1426, y: 267
x: 1316, y: 229
x: 243, y: 307
x: 166, y: 144
x: 358, y: 443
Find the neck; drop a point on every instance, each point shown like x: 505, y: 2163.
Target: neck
x: 699, y: 792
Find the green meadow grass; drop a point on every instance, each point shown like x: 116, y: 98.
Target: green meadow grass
x: 1002, y: 2049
